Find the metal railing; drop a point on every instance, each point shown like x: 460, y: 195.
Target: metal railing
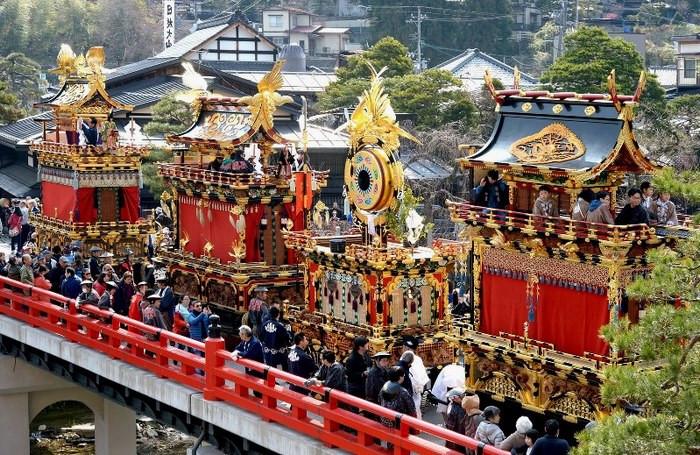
x: 167, y: 354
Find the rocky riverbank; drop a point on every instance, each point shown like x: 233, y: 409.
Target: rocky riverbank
x: 152, y: 438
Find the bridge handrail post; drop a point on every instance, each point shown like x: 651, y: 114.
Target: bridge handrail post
x: 212, y: 362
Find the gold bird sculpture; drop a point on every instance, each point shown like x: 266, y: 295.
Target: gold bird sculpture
x: 95, y: 59
x: 264, y: 103
x: 65, y: 62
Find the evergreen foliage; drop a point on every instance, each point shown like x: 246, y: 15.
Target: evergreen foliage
x: 170, y: 116
x: 436, y: 96
x: 667, y: 382
x: 10, y: 110
x: 22, y: 77
x: 590, y: 56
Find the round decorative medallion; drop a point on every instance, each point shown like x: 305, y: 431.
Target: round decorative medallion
x: 372, y: 177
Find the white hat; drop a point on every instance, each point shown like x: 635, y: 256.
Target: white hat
x: 523, y: 425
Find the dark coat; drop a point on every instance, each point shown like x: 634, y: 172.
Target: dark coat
x: 333, y: 376
x: 632, y: 215
x: 356, y: 365
x: 406, y: 384
x: 491, y: 195
x: 71, y: 287
x: 301, y: 364
x: 550, y: 445
x: 403, y: 403
x: 376, y: 377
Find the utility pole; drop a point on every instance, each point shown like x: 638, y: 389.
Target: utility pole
x: 418, y: 20
x: 562, y: 30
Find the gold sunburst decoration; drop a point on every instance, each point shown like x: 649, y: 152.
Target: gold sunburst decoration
x: 373, y: 122
x: 552, y: 144
x: 264, y: 103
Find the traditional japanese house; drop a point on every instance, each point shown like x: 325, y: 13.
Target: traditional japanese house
x: 359, y: 278
x: 544, y: 286
x: 228, y: 223
x: 90, y: 193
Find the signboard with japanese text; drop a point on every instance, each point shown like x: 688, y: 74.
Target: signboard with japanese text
x: 168, y: 23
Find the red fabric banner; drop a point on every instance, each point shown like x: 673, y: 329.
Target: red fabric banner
x: 57, y: 200
x: 567, y: 318
x: 85, y: 210
x: 254, y: 213
x: 189, y: 225
x: 570, y: 320
x: 131, y: 205
x: 503, y: 307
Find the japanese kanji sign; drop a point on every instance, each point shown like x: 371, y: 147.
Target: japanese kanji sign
x: 168, y: 23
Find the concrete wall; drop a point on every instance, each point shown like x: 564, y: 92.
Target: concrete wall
x: 245, y: 424
x: 26, y: 390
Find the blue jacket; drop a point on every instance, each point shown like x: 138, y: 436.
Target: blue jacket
x: 91, y: 134
x: 71, y: 287
x: 493, y: 196
x: 301, y: 364
x: 251, y: 350
x: 198, y: 323
x: 274, y: 335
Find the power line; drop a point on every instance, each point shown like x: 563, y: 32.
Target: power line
x: 418, y: 20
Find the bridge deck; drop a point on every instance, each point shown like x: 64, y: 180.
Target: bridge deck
x: 118, y: 349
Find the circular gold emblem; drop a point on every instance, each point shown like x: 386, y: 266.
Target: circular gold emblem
x: 557, y: 108
x: 371, y: 176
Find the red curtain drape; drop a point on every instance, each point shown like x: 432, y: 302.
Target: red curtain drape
x: 222, y: 233
x: 570, y: 319
x: 297, y: 217
x: 189, y: 225
x: 131, y: 205
x: 85, y: 209
x: 254, y: 213
x: 58, y: 200
x: 503, y: 304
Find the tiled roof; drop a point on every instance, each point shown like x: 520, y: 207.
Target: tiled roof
x: 293, y: 82
x: 305, y: 28
x: 23, y: 129
x: 18, y: 180
x: 319, y: 137
x: 191, y: 42
x: 133, y: 69
x: 423, y: 169
x: 147, y: 91
x: 238, y: 66
x: 471, y: 65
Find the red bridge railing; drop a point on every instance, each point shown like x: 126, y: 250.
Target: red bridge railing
x: 168, y: 355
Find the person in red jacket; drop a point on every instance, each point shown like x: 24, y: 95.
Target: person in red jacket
x: 40, y: 281
x: 135, y: 306
x: 180, y: 326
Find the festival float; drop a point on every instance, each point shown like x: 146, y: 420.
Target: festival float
x: 90, y: 193
x: 544, y: 286
x: 360, y: 278
x: 228, y: 224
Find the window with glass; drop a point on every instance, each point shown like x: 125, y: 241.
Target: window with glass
x: 689, y: 68
x: 276, y: 20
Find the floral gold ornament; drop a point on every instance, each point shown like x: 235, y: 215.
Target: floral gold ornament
x: 526, y: 107
x: 557, y: 108
x: 553, y: 144
x: 589, y: 110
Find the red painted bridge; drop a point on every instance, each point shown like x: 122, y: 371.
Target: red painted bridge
x: 327, y: 420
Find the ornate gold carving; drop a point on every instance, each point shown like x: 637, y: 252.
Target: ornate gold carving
x: 554, y: 143
x: 557, y: 108
x: 589, y: 110
x: 499, y: 384
x: 373, y: 121
x: 526, y: 107
x: 571, y: 405
x: 264, y: 103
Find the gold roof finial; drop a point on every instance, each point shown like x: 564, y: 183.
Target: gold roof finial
x: 373, y: 121
x: 65, y: 62
x: 264, y: 103
x: 516, y: 78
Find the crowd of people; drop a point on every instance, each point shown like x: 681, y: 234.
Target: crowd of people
x: 267, y: 338
x: 134, y: 290
x: 642, y: 207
